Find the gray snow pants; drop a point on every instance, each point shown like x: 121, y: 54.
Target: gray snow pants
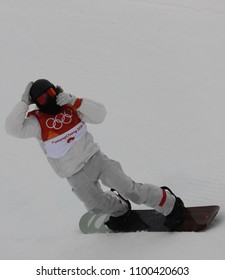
x: 99, y: 168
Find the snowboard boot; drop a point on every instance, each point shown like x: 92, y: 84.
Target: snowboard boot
x: 117, y: 223
x: 176, y: 216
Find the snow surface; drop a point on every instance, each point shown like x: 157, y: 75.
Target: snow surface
x: 159, y: 68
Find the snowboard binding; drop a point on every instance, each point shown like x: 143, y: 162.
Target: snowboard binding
x: 128, y: 222
x: 176, y: 217
x: 117, y: 223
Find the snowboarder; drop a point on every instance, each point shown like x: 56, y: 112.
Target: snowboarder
x: 59, y: 124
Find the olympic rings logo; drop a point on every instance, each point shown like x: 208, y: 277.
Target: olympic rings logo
x: 60, y: 119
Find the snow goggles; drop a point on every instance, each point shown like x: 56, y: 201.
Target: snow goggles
x: 43, y: 99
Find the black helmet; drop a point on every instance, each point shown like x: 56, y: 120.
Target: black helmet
x: 40, y: 87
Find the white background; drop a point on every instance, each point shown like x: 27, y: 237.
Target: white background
x: 86, y: 270
x: 159, y: 68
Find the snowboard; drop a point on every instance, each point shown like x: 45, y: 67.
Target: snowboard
x: 195, y: 219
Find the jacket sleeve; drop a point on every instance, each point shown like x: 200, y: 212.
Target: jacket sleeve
x: 90, y: 111
x: 19, y: 126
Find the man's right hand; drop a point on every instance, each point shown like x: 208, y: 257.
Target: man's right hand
x: 26, y: 95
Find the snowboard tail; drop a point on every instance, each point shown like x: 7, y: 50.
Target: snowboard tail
x: 195, y: 219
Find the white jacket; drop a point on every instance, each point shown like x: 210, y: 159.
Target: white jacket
x: 19, y: 125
